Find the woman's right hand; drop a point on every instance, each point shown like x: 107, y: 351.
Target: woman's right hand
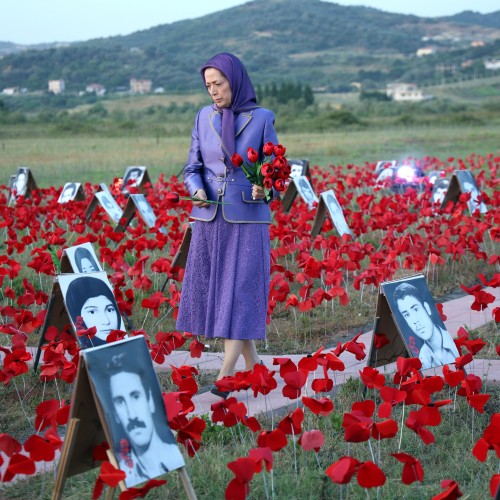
x: 202, y: 196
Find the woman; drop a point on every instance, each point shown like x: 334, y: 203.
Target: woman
x: 226, y: 283
x: 90, y: 303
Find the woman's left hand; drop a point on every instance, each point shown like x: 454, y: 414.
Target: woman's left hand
x: 258, y: 192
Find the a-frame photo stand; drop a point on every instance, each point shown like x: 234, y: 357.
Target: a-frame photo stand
x: 56, y: 316
x: 462, y: 181
x: 88, y: 428
x: 141, y: 178
x: 127, y: 216
x: 329, y: 206
x: 94, y: 202
x: 180, y: 257
x: 28, y: 184
x: 408, y: 317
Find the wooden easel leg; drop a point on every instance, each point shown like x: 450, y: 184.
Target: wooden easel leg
x: 67, y: 451
x: 187, y: 484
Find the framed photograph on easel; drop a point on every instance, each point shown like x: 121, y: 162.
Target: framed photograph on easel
x: 408, y: 318
x: 330, y: 206
x: 136, y: 178
x: 118, y: 399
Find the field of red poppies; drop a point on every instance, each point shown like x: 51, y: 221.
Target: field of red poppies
x: 395, y: 235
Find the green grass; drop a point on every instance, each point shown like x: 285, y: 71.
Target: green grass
x: 100, y: 159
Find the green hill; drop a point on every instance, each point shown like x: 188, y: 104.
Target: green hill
x: 314, y: 42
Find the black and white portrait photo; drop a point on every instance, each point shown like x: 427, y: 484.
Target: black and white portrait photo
x: 418, y: 319
x: 90, y: 302
x: 130, y: 396
x: 132, y: 178
x: 68, y: 192
x: 145, y: 209
x: 109, y: 204
x: 298, y: 167
x: 336, y: 212
x: 468, y: 185
x: 305, y: 190
x: 19, y: 183
x: 83, y: 258
x: 439, y: 189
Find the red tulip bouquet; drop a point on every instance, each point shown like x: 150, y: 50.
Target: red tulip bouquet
x: 270, y: 173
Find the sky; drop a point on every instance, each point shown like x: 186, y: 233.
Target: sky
x: 37, y: 21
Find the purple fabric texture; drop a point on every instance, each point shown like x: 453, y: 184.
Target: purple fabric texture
x: 243, y: 99
x: 225, y: 287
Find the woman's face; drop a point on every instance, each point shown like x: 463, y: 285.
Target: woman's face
x: 101, y: 313
x: 218, y: 87
x: 87, y: 266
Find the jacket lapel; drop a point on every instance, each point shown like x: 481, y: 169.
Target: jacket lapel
x: 242, y: 121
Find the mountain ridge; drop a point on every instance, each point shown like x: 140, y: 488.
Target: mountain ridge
x: 313, y: 42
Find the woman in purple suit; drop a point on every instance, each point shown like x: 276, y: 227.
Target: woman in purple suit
x: 226, y: 283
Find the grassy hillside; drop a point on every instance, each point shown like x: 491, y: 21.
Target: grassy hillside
x: 315, y: 42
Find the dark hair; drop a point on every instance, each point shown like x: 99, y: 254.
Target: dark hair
x: 69, y: 186
x: 83, y: 253
x: 127, y: 362
x: 84, y: 288
x: 405, y: 289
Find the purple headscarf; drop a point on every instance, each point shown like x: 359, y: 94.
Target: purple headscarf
x: 243, y: 94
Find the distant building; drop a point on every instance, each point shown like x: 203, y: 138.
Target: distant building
x: 11, y: 91
x: 56, y: 86
x: 477, y: 43
x: 426, y: 51
x: 492, y: 64
x: 405, y: 92
x: 140, y: 86
x: 95, y: 88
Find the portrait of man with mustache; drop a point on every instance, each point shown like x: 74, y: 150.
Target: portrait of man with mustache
x: 142, y: 440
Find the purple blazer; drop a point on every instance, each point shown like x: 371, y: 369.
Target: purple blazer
x: 207, y: 168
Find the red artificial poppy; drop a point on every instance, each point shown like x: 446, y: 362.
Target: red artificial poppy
x: 244, y: 470
x: 380, y: 340
x: 372, y: 378
x: 453, y: 378
x: 322, y: 385
x: 417, y: 421
x: 110, y: 475
x: 196, y: 348
x: 131, y: 493
x: 274, y: 440
x: 322, y: 407
x: 99, y: 452
x: 341, y: 471
x: 495, y: 485
x: 154, y: 302
x: 391, y: 397
x: 294, y: 381
x: 262, y: 380
x: 384, y: 430
x: 9, y: 445
x: 291, y: 423
x: 286, y: 366
x: 39, y: 449
x: 477, y: 401
x: 490, y: 440
x: 412, y: 469
x: 312, y: 440
x: 370, y: 475
x: 452, y: 491
x: 18, y: 464
x: 46, y: 414
x: 481, y: 300
x: 260, y: 455
x: 190, y: 434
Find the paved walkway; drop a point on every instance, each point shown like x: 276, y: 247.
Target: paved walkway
x: 458, y: 313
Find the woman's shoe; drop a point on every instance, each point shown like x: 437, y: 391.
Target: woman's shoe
x: 217, y: 392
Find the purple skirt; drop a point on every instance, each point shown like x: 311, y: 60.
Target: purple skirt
x: 226, y: 283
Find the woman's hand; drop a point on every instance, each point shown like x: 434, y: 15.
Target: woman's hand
x: 202, y: 196
x: 258, y: 192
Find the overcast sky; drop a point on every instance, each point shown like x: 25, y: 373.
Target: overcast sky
x: 38, y: 21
